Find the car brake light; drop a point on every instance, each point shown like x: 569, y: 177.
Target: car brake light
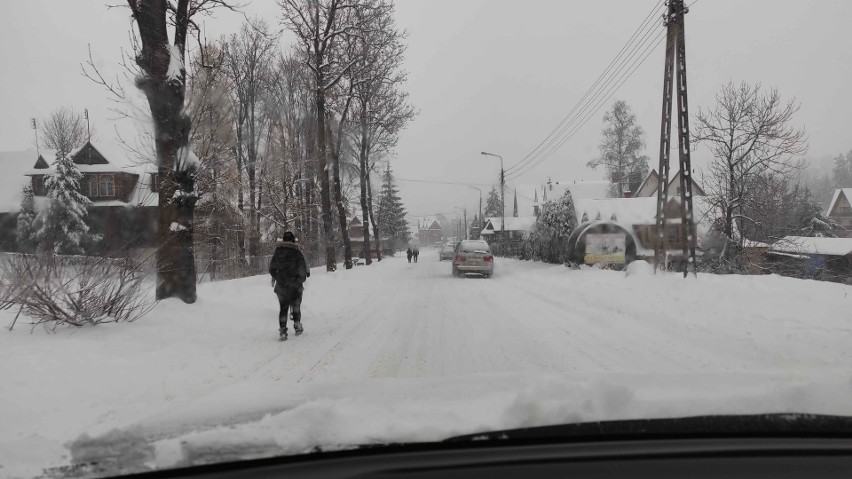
x: 490, y: 259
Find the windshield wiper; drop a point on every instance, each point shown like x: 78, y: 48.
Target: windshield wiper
x: 759, y: 425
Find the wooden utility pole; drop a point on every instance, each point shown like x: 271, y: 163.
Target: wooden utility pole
x: 675, y: 71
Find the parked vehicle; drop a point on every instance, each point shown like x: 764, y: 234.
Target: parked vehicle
x: 473, y: 256
x: 447, y: 252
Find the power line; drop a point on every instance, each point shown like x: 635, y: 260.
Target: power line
x: 630, y: 47
x: 568, y: 134
x: 593, y: 103
x: 442, y: 182
x: 636, y: 45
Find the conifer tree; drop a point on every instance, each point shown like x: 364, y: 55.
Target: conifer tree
x: 391, y: 212
x: 61, y: 228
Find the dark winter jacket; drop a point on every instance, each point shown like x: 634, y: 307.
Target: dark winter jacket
x: 288, y: 267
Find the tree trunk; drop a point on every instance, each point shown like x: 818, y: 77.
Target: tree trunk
x: 362, y: 167
x: 373, y: 219
x: 338, y: 200
x: 325, y: 186
x: 177, y: 195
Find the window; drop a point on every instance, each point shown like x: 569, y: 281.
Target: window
x: 674, y: 233
x: 38, y: 186
x: 93, y: 186
x: 107, y: 185
x: 155, y: 182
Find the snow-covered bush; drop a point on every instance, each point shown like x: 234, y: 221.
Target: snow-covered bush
x: 73, y: 290
x: 25, y: 234
x: 548, y: 241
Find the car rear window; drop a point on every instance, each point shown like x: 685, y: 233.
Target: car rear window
x: 475, y: 246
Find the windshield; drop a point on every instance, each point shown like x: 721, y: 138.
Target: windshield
x: 301, y: 226
x: 473, y: 246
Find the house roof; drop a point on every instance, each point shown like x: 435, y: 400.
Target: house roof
x: 639, y: 211
x: 652, y: 174
x: 847, y: 192
x: 105, y: 159
x: 697, y: 190
x: 429, y: 223
x: 13, y: 167
x: 808, y: 245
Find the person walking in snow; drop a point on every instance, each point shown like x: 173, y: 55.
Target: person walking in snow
x: 416, y: 253
x: 289, y: 272
x: 409, y: 253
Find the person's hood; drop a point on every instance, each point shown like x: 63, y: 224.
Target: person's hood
x: 290, y: 245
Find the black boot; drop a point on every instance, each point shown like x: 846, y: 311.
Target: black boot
x: 297, y: 326
x: 282, y: 334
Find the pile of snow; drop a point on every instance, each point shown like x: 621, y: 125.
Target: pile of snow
x: 639, y: 268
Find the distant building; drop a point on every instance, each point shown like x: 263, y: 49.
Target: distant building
x: 840, y: 210
x: 430, y: 232
x: 515, y: 227
x: 651, y: 184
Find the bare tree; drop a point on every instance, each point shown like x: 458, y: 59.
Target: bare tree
x: 382, y: 109
x: 212, y: 135
x: 621, y: 150
x: 748, y: 132
x: 248, y: 60
x: 163, y: 81
x: 64, y: 130
x: 321, y: 27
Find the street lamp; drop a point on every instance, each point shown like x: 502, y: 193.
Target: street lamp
x: 480, y: 202
x: 502, y: 196
x: 465, y: 220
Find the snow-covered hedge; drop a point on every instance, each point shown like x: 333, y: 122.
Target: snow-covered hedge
x: 73, y: 290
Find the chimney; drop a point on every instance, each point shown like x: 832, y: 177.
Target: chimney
x: 628, y: 194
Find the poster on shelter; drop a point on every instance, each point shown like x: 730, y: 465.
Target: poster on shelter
x: 605, y: 248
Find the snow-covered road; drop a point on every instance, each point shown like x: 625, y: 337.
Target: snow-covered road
x: 470, y: 350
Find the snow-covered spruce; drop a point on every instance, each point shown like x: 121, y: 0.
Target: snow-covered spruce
x: 61, y: 227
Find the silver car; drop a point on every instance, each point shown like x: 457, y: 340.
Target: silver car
x: 473, y: 256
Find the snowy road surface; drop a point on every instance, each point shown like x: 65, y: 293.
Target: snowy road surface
x: 534, y: 344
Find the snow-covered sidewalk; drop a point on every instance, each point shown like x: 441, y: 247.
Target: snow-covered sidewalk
x: 405, y: 352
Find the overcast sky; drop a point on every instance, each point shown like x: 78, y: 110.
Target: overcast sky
x: 486, y: 75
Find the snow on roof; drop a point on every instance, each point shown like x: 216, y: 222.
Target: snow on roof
x: 847, y: 192
x: 580, y: 189
x: 119, y: 160
x: 638, y: 211
x: 428, y: 222
x: 808, y: 245
x: 13, y: 167
x: 632, y: 211
x: 513, y: 223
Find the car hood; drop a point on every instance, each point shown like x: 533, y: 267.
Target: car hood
x: 253, y: 420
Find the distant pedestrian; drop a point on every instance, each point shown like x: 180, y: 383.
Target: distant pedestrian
x: 409, y: 253
x: 289, y: 272
x: 416, y: 253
